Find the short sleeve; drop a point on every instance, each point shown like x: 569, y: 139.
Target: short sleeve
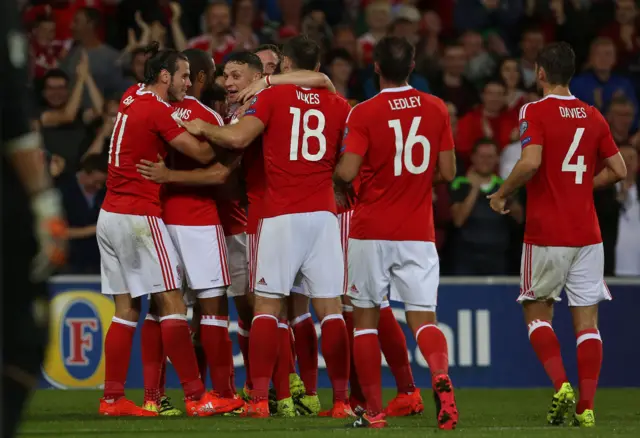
x: 606, y: 145
x: 261, y: 105
x: 355, y: 139
x: 165, y: 124
x: 446, y: 140
x: 459, y: 190
x: 530, y: 128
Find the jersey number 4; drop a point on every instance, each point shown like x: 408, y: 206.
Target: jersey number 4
x: 116, y: 137
x: 579, y: 168
x: 307, y: 133
x: 404, y: 148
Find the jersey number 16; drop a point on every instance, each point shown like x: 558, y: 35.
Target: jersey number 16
x: 404, y: 148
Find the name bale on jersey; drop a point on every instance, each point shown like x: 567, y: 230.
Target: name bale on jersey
x: 405, y: 103
x: 573, y: 113
x: 308, y: 98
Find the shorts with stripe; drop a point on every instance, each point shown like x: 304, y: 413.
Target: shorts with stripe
x: 137, y: 256
x: 203, y: 253
x: 252, y: 256
x: 546, y: 270
x: 345, y: 225
x: 238, y: 264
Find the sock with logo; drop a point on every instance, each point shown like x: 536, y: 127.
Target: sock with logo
x: 306, y: 346
x: 152, y: 357
x: 117, y: 353
x: 394, y: 348
x: 589, y: 345
x: 335, y: 349
x: 214, y: 337
x: 264, y: 344
x: 433, y: 346
x: 243, y: 343
x: 176, y: 341
x: 368, y: 358
x: 545, y: 343
x: 282, y: 368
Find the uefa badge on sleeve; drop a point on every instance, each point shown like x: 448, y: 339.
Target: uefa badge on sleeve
x: 523, y: 127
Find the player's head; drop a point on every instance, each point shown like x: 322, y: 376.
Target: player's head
x: 630, y: 157
x: 202, y: 68
x: 555, y: 65
x: 169, y: 70
x: 270, y: 56
x: 485, y: 156
x: 241, y: 69
x: 393, y: 59
x: 300, y: 53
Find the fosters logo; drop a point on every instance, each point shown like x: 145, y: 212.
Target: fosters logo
x: 79, y: 323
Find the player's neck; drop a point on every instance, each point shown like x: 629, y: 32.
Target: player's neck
x: 386, y: 84
x: 556, y: 90
x: 162, y: 92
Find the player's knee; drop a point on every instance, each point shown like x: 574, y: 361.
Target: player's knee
x: 127, y: 308
x: 268, y: 304
x: 216, y: 305
x: 244, y: 309
x: 327, y: 306
x: 417, y: 316
x: 584, y: 318
x: 170, y: 303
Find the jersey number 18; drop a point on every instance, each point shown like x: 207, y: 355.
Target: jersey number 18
x: 307, y: 133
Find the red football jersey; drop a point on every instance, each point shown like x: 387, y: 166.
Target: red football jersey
x: 203, y: 42
x: 399, y: 133
x: 255, y: 182
x: 302, y: 129
x: 574, y: 137
x: 184, y: 204
x: 143, y: 126
x: 232, y: 215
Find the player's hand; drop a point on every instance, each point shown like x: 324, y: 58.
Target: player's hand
x: 498, y: 203
x: 193, y: 127
x: 82, y: 69
x: 156, y: 172
x: 253, y: 89
x: 51, y: 233
x: 144, y: 27
x: 241, y: 110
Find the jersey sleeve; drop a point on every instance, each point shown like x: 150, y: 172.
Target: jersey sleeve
x: 606, y: 145
x: 355, y: 139
x: 261, y: 105
x: 530, y: 127
x: 164, y: 124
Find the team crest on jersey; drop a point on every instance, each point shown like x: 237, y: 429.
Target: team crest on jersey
x: 523, y: 127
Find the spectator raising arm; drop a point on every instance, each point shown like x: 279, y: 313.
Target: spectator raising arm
x: 68, y: 113
x: 97, y: 101
x: 179, y: 39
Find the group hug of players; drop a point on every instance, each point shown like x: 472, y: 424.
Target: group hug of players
x: 173, y: 220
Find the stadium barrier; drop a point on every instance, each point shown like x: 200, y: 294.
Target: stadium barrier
x: 487, y: 338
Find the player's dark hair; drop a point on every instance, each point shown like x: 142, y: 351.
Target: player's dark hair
x: 213, y: 94
x: 199, y: 60
x: 272, y: 48
x: 248, y: 58
x: 303, y: 52
x: 342, y: 54
x: 394, y: 56
x: 559, y: 63
x: 484, y: 142
x: 54, y: 73
x: 93, y: 16
x: 160, y: 60
x: 94, y: 163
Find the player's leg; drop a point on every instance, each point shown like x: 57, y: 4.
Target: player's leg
x: 278, y: 261
x: 323, y: 273
x: 393, y: 344
x: 356, y: 397
x: 368, y: 284
x: 585, y: 289
x: 305, y: 342
x: 415, y: 275
x: 543, y: 271
x: 111, y: 231
x: 244, y: 306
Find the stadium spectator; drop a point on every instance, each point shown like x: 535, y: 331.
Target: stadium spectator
x: 82, y: 196
x: 451, y: 85
x: 217, y: 38
x: 620, y: 117
x: 531, y: 43
x: 44, y: 50
x: 340, y: 67
x: 345, y: 38
x: 628, y: 244
x: 244, y: 15
x: 474, y: 14
x: 102, y: 139
x: 481, y: 240
x: 623, y: 32
x: 509, y: 72
x: 378, y: 18
x: 599, y: 85
x: 480, y: 64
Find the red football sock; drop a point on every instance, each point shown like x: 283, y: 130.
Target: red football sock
x: 176, y: 341
x: 264, y: 344
x: 394, y: 348
x: 589, y: 345
x: 335, y: 349
x: 201, y: 357
x: 152, y: 357
x: 354, y: 383
x: 292, y: 351
x: 433, y: 346
x: 214, y: 337
x: 368, y: 358
x: 545, y: 343
x: 306, y: 346
x: 163, y: 377
x: 281, y: 370
x: 243, y: 343
x: 117, y: 352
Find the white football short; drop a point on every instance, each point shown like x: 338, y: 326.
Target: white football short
x: 137, y: 256
x: 408, y: 270
x: 252, y: 255
x: 345, y: 226
x: 545, y: 270
x: 203, y: 253
x: 238, y: 265
x: 305, y: 242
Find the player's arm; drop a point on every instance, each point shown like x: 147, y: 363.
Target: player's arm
x: 301, y: 78
x: 236, y: 136
x: 446, y: 167
x: 217, y: 173
x: 68, y: 114
x: 615, y: 170
x: 355, y: 144
x: 190, y: 146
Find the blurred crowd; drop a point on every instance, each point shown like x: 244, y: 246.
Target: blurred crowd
x: 477, y: 55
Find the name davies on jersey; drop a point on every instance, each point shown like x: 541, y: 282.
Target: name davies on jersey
x: 405, y: 103
x: 572, y: 113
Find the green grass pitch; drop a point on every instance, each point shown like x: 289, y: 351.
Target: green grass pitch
x: 483, y: 413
